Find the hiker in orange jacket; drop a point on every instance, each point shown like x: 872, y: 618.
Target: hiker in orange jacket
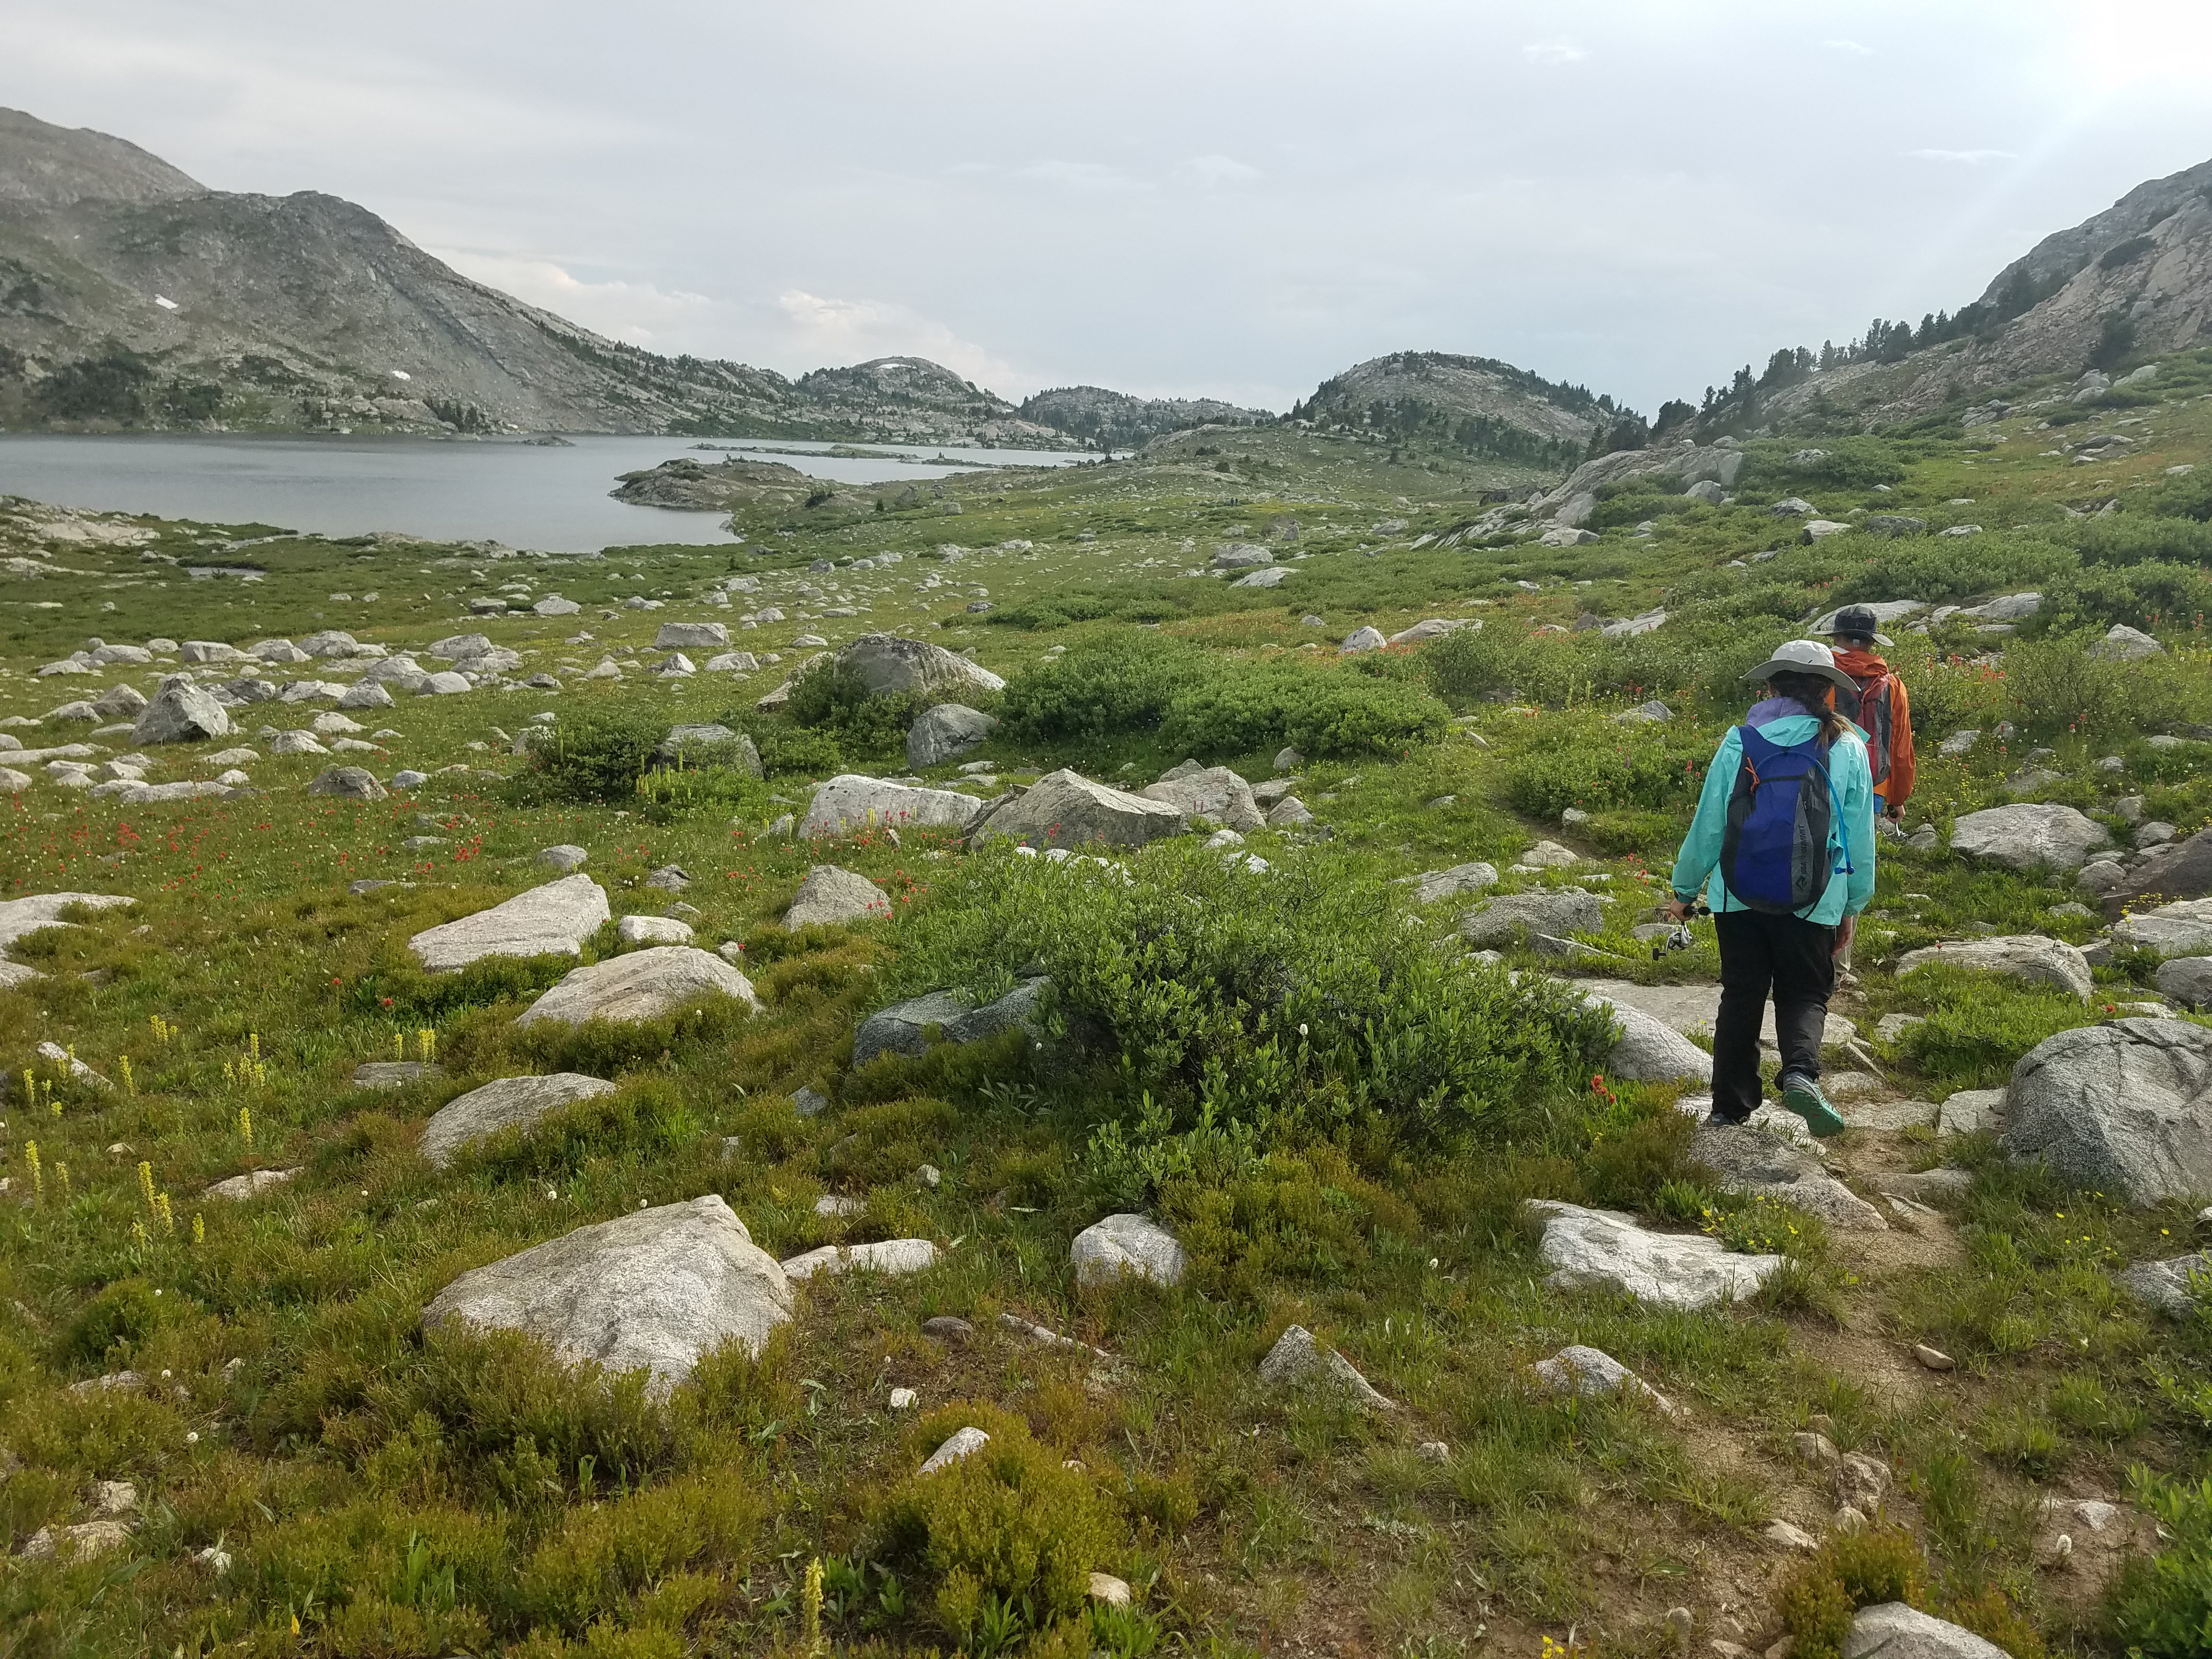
x: 1884, y: 713
x: 1886, y: 716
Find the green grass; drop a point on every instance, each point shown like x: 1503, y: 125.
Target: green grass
x: 1339, y: 1121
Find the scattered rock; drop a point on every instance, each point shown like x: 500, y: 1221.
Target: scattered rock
x: 2029, y: 837
x: 2124, y: 644
x: 1750, y: 1162
x: 948, y: 1328
x: 2173, y: 1286
x: 1297, y: 1361
x: 1214, y: 792
x: 1065, y: 809
x: 1513, y: 917
x: 945, y: 732
x: 850, y: 805
x: 1591, y: 1371
x: 1105, y: 1588
x: 348, y: 783
x: 641, y: 986
x: 562, y: 858
x: 652, y: 930
x: 890, y: 1255
x: 2120, y: 1107
x: 502, y: 1104
x: 1599, y: 1249
x: 1362, y: 638
x: 180, y: 713
x: 394, y: 1073
x: 903, y: 1028
x: 1452, y: 883
x: 962, y: 1444
x: 691, y: 636
x: 2183, y: 928
x: 833, y: 896
x: 1891, y: 1630
x: 885, y: 663
x: 2028, y: 956
x: 1934, y: 1359
x: 1132, y: 1244
x: 653, y: 1290
x: 1968, y: 1111
x: 1649, y: 1050
x: 1790, y: 1536
x: 554, y: 920
x: 252, y: 1184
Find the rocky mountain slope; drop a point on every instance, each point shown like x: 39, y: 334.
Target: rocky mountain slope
x: 2128, y: 283
x: 1477, y: 405
x: 1122, y: 422
x: 133, y: 295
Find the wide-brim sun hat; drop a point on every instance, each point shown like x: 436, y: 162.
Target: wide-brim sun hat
x: 1804, y: 657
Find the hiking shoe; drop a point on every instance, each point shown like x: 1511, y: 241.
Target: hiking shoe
x: 1801, y: 1095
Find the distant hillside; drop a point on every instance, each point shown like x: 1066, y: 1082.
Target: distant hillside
x: 131, y: 295
x: 2132, y: 282
x: 1122, y: 422
x: 1481, y: 408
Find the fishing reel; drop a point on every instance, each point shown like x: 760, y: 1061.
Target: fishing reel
x: 1678, y: 937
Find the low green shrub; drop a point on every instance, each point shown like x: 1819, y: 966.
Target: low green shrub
x: 1322, y: 713
x: 2059, y: 685
x: 111, y: 1324
x: 1006, y: 1538
x: 1104, y: 688
x: 1977, y: 1026
x: 1236, y: 1004
x: 597, y: 753
x: 602, y: 1557
x: 643, y: 1117
x: 786, y: 752
x: 1852, y: 1569
x: 1836, y: 462
x: 2161, y: 1607
x: 1589, y: 761
x: 864, y: 723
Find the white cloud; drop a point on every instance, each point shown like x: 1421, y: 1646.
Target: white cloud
x: 1969, y: 157
x: 1214, y: 171
x: 1089, y: 176
x: 638, y: 312
x: 824, y: 330
x: 1558, y: 50
x: 1849, y: 48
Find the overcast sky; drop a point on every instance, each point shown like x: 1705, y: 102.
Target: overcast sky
x: 1173, y: 197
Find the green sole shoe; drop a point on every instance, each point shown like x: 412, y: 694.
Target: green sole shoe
x: 1802, y: 1095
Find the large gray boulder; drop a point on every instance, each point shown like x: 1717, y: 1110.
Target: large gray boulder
x: 1515, y: 917
x: 829, y: 895
x: 2172, y: 1285
x: 2124, y: 644
x: 1133, y: 1244
x: 2123, y: 1107
x: 2179, y: 870
x: 1886, y: 612
x: 2183, y: 929
x: 884, y: 662
x: 502, y: 1104
x: 711, y: 744
x: 691, y: 636
x: 904, y: 1027
x: 180, y: 713
x: 656, y: 1290
x: 1065, y: 809
x: 946, y: 732
x: 1599, y: 1249
x: 1752, y: 1162
x: 1891, y: 1630
x: 554, y: 920
x: 2187, y: 980
x: 1211, y: 791
x: 1649, y: 1050
x: 2029, y: 836
x: 2027, y: 956
x: 641, y: 986
x: 850, y: 804
x: 348, y: 783
x: 1460, y: 878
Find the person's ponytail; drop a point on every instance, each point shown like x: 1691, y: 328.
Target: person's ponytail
x: 1811, y: 693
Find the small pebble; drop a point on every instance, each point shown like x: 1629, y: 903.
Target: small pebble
x: 902, y: 1398
x: 1934, y: 1358
x: 1682, y: 1621
x: 1433, y: 1451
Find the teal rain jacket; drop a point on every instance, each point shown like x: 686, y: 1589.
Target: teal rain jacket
x: 1698, y: 864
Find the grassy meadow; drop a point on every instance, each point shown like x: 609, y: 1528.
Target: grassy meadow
x: 1295, y: 1069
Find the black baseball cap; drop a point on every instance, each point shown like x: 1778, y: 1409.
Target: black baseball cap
x: 1856, y: 620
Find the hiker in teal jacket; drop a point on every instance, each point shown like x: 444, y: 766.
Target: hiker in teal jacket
x: 1791, y: 954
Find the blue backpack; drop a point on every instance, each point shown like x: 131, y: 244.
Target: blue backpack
x: 1774, y: 853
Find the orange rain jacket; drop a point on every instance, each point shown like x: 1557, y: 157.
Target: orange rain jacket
x: 1894, y: 783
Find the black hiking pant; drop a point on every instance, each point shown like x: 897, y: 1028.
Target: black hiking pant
x: 1795, y: 960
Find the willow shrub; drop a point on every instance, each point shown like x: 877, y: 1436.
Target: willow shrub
x: 1237, y: 1008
